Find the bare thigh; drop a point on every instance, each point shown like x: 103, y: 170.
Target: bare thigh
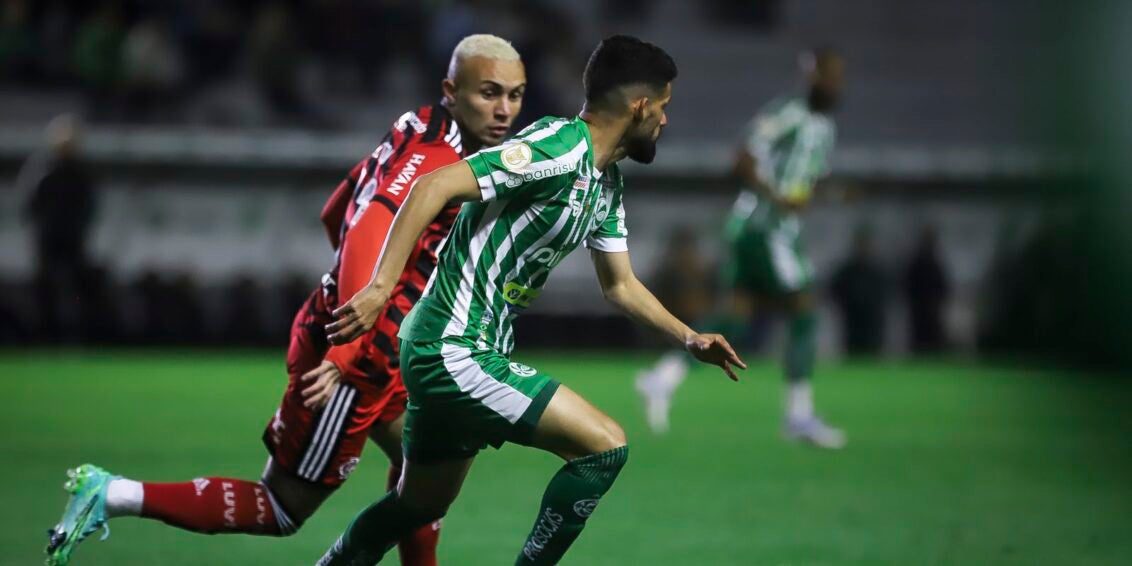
x: 387, y: 436
x: 572, y: 428
x: 299, y: 497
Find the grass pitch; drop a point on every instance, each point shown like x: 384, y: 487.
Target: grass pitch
x: 947, y: 464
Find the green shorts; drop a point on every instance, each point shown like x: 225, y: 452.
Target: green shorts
x: 461, y: 399
x: 766, y: 262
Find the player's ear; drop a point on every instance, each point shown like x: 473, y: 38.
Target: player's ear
x: 448, y: 87
x: 639, y: 108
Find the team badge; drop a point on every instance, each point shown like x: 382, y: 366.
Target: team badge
x: 585, y: 507
x: 522, y: 370
x: 517, y: 156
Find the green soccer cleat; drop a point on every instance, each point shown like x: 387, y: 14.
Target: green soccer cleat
x: 85, y: 512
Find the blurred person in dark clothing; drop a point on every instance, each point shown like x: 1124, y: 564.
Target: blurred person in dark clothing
x: 17, y: 42
x: 97, y: 58
x: 860, y: 290
x: 275, y: 58
x: 60, y: 207
x: 927, y: 290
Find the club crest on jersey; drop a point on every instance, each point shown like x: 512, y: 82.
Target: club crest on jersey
x: 522, y: 370
x: 603, y: 204
x: 517, y: 156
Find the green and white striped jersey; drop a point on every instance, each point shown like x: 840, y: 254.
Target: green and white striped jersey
x: 540, y: 198
x: 792, y: 146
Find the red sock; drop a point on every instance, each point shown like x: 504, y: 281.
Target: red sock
x: 215, y: 505
x: 419, y: 547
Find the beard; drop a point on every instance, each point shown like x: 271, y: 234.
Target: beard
x: 642, y: 149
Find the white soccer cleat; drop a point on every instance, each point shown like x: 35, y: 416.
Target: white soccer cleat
x: 815, y: 432
x: 657, y: 399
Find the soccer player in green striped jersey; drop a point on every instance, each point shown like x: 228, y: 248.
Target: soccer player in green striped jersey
x: 529, y: 203
x: 784, y: 152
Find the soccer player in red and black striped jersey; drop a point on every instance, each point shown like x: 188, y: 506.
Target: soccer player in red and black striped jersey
x: 337, y: 396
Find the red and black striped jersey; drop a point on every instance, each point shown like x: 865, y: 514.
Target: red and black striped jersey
x: 359, y: 215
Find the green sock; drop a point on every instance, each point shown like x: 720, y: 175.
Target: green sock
x: 373, y: 532
x: 572, y: 495
x: 801, y: 348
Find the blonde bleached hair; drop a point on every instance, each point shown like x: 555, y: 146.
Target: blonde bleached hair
x: 481, y: 45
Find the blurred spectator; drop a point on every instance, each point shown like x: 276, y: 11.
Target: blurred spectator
x: 683, y: 282
x: 275, y: 58
x: 211, y: 32
x: 60, y: 206
x: 153, y: 68
x: 927, y: 290
x: 98, y: 58
x: 17, y: 42
x: 861, y: 292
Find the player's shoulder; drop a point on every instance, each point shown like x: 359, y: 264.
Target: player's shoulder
x: 784, y: 106
x: 553, y: 135
x: 429, y: 124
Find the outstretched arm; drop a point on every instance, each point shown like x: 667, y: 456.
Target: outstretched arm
x: 454, y: 182
x: 621, y: 287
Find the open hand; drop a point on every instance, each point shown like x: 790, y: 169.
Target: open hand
x: 714, y: 349
x: 323, y: 382
x: 357, y: 316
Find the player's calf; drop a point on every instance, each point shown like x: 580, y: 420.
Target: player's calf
x: 594, y: 447
x: 209, y: 505
x: 568, y: 502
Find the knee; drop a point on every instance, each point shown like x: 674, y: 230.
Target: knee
x: 611, y: 437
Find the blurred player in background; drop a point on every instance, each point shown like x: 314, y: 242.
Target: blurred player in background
x: 530, y: 203
x: 338, y: 396
x: 785, y: 151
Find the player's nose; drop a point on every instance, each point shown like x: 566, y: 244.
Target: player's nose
x: 504, y: 108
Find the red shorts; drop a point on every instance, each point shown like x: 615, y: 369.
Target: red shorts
x: 324, y: 445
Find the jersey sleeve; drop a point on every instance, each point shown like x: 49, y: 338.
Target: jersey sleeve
x: 370, y: 225
x: 611, y: 234
x: 524, y: 168
x: 334, y: 211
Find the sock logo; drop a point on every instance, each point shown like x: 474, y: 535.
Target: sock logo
x: 547, y: 525
x: 229, y: 504
x: 261, y: 507
x: 585, y: 507
x: 199, y: 484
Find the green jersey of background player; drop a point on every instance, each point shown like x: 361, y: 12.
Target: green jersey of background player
x: 784, y: 151
x: 532, y: 201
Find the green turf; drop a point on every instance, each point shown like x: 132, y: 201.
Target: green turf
x: 947, y: 464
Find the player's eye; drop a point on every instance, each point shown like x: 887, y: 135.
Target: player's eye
x: 516, y: 94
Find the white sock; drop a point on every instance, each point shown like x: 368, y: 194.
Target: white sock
x: 671, y: 370
x: 799, y: 401
x: 124, y: 497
